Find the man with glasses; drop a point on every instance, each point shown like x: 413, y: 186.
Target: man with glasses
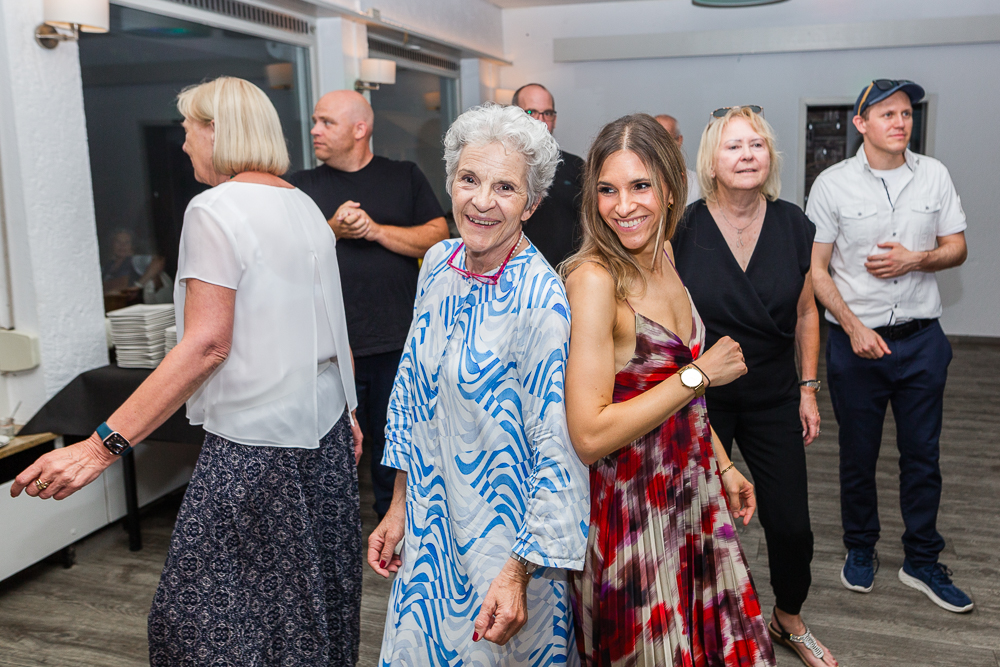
x: 554, y: 228
x: 669, y: 124
x: 886, y: 220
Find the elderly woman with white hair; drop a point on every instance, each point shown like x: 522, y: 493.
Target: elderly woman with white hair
x: 264, y: 566
x: 491, y: 502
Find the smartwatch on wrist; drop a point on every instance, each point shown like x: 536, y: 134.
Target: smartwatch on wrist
x: 529, y: 567
x: 114, y: 442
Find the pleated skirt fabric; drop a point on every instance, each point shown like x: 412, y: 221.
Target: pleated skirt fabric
x: 264, y: 565
x: 665, y: 580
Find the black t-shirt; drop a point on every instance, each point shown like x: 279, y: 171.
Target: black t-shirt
x: 379, y: 285
x: 554, y: 227
x: 758, y: 308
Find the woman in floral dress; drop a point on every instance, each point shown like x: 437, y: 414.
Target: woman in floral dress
x: 665, y: 581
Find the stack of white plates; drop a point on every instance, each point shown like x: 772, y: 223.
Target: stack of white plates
x: 139, y: 333
x: 171, y: 339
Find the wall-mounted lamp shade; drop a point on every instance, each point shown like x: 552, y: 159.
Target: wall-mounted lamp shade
x: 280, y: 76
x: 733, y: 3
x: 378, y: 70
x: 503, y: 96
x: 432, y: 100
x: 89, y: 15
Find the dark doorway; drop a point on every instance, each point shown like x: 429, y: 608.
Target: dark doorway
x: 171, y: 186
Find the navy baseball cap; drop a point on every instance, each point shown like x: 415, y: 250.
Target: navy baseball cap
x: 880, y: 89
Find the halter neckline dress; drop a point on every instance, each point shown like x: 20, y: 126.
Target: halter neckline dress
x: 665, y: 580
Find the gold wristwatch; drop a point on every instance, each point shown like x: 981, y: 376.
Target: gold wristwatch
x: 692, y: 378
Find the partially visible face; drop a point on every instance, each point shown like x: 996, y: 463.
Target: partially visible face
x: 538, y: 99
x: 333, y: 130
x: 627, y: 202
x: 889, y: 124
x: 742, y: 161
x: 670, y: 125
x: 199, y: 139
x: 489, y: 199
x: 121, y: 245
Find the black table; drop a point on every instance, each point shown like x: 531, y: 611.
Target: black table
x: 87, y: 401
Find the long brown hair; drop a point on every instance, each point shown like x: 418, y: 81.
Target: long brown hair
x: 642, y: 135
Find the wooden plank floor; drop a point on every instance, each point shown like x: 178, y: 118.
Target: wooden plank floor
x: 94, y: 614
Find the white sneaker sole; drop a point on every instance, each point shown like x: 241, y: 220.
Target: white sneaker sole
x: 913, y: 582
x: 852, y: 587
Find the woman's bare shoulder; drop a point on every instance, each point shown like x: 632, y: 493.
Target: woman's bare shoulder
x: 590, y: 275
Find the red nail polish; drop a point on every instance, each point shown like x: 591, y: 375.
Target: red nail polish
x: 475, y: 636
x: 382, y: 564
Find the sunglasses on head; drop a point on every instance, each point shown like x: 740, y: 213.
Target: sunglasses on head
x: 721, y: 113
x: 883, y: 85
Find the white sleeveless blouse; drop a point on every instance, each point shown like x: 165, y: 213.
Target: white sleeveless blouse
x: 288, y: 376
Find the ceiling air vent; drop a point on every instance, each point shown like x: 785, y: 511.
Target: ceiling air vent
x: 403, y: 53
x: 251, y: 13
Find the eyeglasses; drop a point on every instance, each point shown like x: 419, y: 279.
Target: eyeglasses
x: 721, y: 113
x: 883, y: 85
x: 486, y: 280
x: 548, y: 114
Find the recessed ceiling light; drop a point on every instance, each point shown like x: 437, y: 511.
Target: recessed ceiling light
x: 733, y: 3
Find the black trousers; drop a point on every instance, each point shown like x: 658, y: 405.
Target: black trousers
x: 771, y: 443
x: 373, y: 378
x: 912, y: 380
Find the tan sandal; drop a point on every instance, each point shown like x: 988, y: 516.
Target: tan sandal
x: 786, y: 638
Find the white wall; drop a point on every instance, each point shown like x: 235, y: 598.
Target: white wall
x: 475, y: 24
x: 590, y: 94
x: 48, y: 208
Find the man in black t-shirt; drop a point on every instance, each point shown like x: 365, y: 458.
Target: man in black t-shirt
x: 555, y: 226
x: 385, y: 216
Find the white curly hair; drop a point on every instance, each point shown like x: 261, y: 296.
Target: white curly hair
x: 516, y: 131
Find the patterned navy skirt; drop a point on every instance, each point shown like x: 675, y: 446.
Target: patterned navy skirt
x: 264, y: 566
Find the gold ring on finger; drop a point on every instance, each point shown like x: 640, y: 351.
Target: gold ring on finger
x: 41, y: 485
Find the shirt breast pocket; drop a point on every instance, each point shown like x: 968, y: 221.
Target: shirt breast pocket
x: 924, y: 214
x: 858, y: 223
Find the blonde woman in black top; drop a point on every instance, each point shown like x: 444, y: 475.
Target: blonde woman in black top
x: 744, y: 256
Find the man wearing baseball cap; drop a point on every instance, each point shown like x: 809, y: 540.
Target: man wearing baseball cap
x: 886, y: 220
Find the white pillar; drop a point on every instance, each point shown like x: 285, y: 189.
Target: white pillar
x: 479, y: 80
x: 48, y: 209
x: 340, y: 46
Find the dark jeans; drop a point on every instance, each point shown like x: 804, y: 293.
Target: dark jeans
x: 912, y: 379
x: 373, y: 378
x: 771, y: 443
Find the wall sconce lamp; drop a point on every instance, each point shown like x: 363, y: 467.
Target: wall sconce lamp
x: 374, y: 72
x: 75, y: 16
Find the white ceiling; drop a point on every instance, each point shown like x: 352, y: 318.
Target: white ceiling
x: 510, y: 4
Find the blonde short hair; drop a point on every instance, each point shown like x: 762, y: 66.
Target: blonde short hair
x: 711, y: 138
x: 248, y: 133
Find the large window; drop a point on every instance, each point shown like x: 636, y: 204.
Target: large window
x: 142, y: 179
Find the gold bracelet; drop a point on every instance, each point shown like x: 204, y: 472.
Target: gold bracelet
x: 723, y: 472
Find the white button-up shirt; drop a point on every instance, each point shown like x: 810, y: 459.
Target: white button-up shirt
x: 851, y: 209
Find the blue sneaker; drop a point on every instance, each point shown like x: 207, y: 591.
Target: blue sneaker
x: 934, y: 581
x: 859, y: 570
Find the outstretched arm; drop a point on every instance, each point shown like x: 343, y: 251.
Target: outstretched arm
x: 208, y: 333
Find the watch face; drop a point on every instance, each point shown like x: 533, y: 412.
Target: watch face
x: 116, y: 443
x: 691, y: 378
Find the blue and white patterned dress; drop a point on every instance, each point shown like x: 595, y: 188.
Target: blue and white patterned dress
x: 478, y: 421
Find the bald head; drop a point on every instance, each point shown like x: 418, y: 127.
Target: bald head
x: 669, y: 124
x: 538, y: 101
x: 342, y: 127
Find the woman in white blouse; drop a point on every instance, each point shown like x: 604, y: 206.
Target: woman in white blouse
x: 264, y: 565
